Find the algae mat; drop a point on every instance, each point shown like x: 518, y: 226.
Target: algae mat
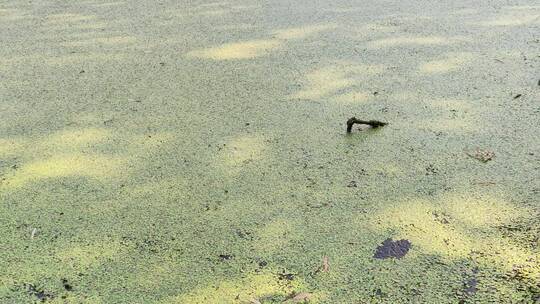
x: 195, y: 152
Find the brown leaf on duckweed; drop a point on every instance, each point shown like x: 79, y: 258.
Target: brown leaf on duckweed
x: 325, y: 264
x: 302, y: 297
x: 482, y: 155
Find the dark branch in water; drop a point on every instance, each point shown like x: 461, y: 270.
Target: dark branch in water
x: 373, y: 123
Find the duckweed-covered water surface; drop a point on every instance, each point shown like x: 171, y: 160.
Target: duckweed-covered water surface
x: 196, y: 152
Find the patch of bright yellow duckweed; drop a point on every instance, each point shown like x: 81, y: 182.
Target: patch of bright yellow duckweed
x: 455, y: 227
x: 81, y: 256
x: 94, y: 166
x: 242, y: 150
x: 413, y: 40
x: 331, y: 79
x: 253, y: 287
x: 75, y: 138
x: 273, y: 236
x: 238, y: 50
x: 302, y: 32
x: 353, y: 97
x: 451, y: 63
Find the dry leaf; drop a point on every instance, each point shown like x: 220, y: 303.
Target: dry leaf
x: 254, y: 301
x: 325, y: 264
x: 301, y: 297
x: 483, y: 156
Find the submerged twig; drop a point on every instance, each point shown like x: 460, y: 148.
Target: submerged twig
x: 486, y: 183
x: 373, y: 123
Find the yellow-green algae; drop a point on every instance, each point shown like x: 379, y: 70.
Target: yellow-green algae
x: 139, y: 141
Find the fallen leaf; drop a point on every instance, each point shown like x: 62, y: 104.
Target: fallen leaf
x: 225, y: 257
x: 254, y: 301
x: 352, y: 184
x: 286, y: 276
x: 325, y: 264
x: 482, y: 155
x: 301, y: 297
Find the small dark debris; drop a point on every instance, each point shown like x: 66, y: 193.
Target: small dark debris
x: 392, y: 249
x: 244, y: 234
x: 379, y: 292
x: 430, y: 170
x: 247, y: 124
x: 225, y: 257
x: 352, y: 184
x: 375, y: 93
x: 263, y: 264
x: 67, y: 286
x: 148, y: 245
x: 162, y: 63
x: 14, y: 167
x: 517, y: 96
x: 286, y: 276
x: 38, y: 293
x: 441, y: 218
